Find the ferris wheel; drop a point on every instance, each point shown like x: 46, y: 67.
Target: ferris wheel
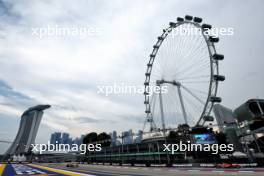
x: 184, y: 62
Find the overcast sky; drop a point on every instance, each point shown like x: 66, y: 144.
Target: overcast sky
x: 64, y: 71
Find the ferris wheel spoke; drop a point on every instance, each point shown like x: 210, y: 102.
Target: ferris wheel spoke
x: 196, y: 82
x: 198, y: 67
x: 156, y: 76
x: 199, y: 60
x: 182, y: 104
x: 191, y: 56
x: 199, y: 91
x: 193, y: 94
x: 194, y: 107
x: 190, y: 66
x: 173, y: 100
x: 158, y: 69
x: 194, y: 77
x: 191, y: 46
x: 196, y: 51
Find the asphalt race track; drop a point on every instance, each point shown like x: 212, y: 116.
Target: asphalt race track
x: 107, y: 170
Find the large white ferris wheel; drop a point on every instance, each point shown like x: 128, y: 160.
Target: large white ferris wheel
x: 185, y: 62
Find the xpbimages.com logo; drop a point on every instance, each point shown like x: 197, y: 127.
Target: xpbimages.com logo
x: 123, y: 89
x: 186, y: 30
x: 183, y: 147
x: 66, y: 31
x: 82, y: 148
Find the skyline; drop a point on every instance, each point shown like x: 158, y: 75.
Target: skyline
x: 64, y: 71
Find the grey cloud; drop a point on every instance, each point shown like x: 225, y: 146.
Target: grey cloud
x: 133, y: 118
x: 9, y: 92
x: 87, y: 120
x: 7, y: 14
x: 92, y: 120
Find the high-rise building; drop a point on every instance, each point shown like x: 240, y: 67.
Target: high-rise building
x: 227, y: 124
x: 28, y: 128
x: 249, y: 110
x: 139, y: 137
x: 52, y: 138
x: 56, y: 138
x: 113, y: 136
x: 78, y: 140
x: 223, y: 116
x: 128, y: 137
x: 250, y: 118
x: 65, y: 139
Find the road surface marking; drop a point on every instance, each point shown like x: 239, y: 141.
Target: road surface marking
x: 218, y: 171
x: 58, y: 170
x: 98, y: 172
x: 193, y: 170
x: 174, y: 170
x: 23, y: 169
x: 2, y: 168
x: 246, y: 171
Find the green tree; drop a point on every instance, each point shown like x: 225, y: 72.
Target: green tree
x: 90, y: 138
x: 104, y: 139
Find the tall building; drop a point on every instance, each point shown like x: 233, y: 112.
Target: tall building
x: 139, y: 137
x: 52, y: 138
x: 227, y: 124
x: 65, y: 138
x: 113, y: 136
x: 28, y: 128
x: 56, y: 138
x: 78, y: 140
x: 128, y: 137
x: 250, y: 117
x: 223, y: 116
x: 249, y: 110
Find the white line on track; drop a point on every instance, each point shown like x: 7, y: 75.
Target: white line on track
x: 193, y: 170
x: 246, y: 171
x: 173, y: 170
x: 217, y: 171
